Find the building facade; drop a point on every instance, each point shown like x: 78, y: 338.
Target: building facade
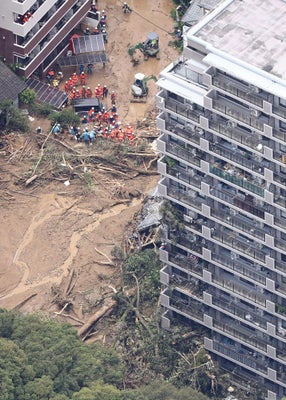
x: 33, y: 33
x: 222, y: 122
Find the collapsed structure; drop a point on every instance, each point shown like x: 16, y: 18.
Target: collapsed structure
x: 223, y: 129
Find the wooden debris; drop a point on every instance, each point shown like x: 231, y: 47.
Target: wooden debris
x: 106, y: 309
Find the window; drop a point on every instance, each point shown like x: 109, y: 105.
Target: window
x: 282, y: 125
x: 194, y: 76
x: 282, y: 102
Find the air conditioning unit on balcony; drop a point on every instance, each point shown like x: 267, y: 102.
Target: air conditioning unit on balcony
x: 254, y: 112
x: 192, y: 106
x: 254, y: 89
x: 231, y: 124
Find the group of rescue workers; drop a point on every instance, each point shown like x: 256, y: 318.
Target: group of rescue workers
x: 103, y: 122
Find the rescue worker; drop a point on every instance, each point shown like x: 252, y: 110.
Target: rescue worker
x: 91, y: 114
x: 84, y: 120
x: 113, y: 98
x: 88, y: 93
x: 74, y: 79
x: 99, y: 91
x: 85, y: 136
x: 70, y: 83
x: 120, y: 135
x: 89, y: 69
x: 82, y: 78
x: 83, y: 92
x: 105, y: 91
x: 66, y: 87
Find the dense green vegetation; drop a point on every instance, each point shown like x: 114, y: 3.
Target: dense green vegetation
x: 41, y: 359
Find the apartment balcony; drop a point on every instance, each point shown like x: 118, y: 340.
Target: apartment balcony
x: 279, y: 110
x: 241, y: 222
x: 280, y: 201
x: 237, y: 134
x: 191, y: 133
x: 239, y: 113
x: 239, y: 178
x: 190, y: 263
x: 239, y: 89
x: 281, y: 157
x: 22, y: 6
x: 244, y: 245
x: 187, y: 306
x: 241, y: 357
x: 241, y: 310
x: 280, y: 266
x: 243, y: 267
x: 183, y: 110
x: 239, y: 157
x: 190, y: 287
x: 280, y: 244
x: 181, y: 174
x: 246, y: 291
x: 189, y: 242
x: 190, y: 154
x: 279, y: 134
x: 189, y: 198
x: 243, y: 202
x: 235, y: 330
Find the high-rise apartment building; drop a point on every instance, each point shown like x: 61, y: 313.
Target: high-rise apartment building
x: 33, y: 33
x: 222, y: 118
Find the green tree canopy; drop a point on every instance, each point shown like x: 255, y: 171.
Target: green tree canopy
x: 65, y: 118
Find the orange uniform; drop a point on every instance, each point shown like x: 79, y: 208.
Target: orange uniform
x: 74, y: 79
x: 88, y: 93
x: 82, y: 78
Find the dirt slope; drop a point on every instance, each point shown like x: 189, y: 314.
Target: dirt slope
x: 56, y: 240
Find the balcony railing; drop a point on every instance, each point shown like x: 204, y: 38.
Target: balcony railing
x: 235, y: 241
x: 190, y: 263
x: 279, y: 134
x: 242, y: 289
x: 241, y: 311
x: 187, y: 307
x: 240, y: 222
x: 188, y: 155
x: 190, y: 242
x: 242, y: 267
x: 237, y: 156
x: 230, y: 196
x: 244, y: 334
x: 237, y: 112
x: 191, y: 133
x: 182, y: 175
x: 237, y: 180
x: 183, y: 109
x: 279, y: 110
x: 236, y: 88
x: 236, y: 134
x: 243, y: 357
x: 182, y: 196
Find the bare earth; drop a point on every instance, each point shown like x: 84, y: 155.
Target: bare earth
x: 56, y: 240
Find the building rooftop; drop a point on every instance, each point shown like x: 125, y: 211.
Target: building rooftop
x: 253, y: 31
x: 11, y: 85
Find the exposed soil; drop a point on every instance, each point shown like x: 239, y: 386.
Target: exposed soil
x: 57, y: 240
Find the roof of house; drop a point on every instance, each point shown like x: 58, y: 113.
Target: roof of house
x: 11, y: 85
